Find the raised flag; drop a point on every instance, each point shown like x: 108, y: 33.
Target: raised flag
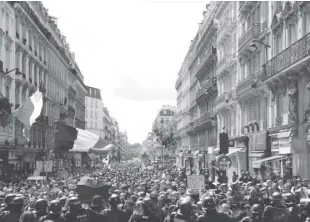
x: 29, y: 111
x: 89, y: 142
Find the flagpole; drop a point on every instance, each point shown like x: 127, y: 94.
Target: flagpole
x: 43, y: 91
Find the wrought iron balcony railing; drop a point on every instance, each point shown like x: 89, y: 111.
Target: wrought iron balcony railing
x: 204, y: 60
x: 252, y: 32
x: 287, y: 57
x: 249, y: 82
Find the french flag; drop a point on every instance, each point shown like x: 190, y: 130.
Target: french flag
x: 90, y: 143
x: 29, y: 111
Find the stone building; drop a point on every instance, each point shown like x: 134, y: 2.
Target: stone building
x: 262, y: 72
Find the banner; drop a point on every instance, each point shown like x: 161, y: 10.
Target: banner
x: 48, y: 166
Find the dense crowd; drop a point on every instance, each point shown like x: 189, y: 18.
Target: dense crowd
x: 155, y: 194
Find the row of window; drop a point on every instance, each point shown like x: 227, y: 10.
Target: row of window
x: 46, y: 54
x: 92, y: 114
x: 92, y: 103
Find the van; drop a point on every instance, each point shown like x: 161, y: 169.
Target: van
x: 36, y: 179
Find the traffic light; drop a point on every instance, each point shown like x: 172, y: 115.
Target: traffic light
x: 224, y: 143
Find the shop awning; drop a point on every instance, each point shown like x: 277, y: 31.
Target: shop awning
x: 235, y: 150
x: 256, y: 154
x: 257, y: 163
x: 284, y: 134
x: 215, y: 151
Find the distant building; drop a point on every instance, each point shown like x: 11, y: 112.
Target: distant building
x: 164, y: 117
x: 93, y: 113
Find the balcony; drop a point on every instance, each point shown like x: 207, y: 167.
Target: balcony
x: 63, y: 112
x: 72, y: 91
x: 247, y: 86
x: 178, y: 83
x: 206, y: 120
x: 209, y: 89
x: 248, y: 36
x: 71, y: 111
x: 226, y: 99
x: 287, y: 59
x: 190, y: 128
x: 205, y: 61
x: 223, y: 66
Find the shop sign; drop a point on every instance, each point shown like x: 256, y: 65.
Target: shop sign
x: 223, y: 162
x: 29, y: 158
x: 240, y: 143
x: 196, y: 182
x: 284, y: 147
x: 13, y: 155
x: 259, y: 141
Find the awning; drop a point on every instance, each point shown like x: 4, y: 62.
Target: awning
x: 216, y: 150
x: 257, y: 163
x: 256, y: 155
x: 235, y: 150
x: 284, y: 134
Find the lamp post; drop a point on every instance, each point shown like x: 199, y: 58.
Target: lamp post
x: 17, y: 72
x: 253, y: 46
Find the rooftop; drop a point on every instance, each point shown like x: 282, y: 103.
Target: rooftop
x: 93, y: 92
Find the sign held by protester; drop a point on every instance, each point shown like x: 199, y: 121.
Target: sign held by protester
x: 196, y: 182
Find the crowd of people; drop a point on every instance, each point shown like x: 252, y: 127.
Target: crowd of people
x: 155, y: 194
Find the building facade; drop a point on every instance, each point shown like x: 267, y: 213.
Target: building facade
x: 182, y: 113
x: 164, y: 117
x: 107, y: 124
x: 262, y: 73
x: 94, y: 106
x: 163, y: 127
x: 34, y: 54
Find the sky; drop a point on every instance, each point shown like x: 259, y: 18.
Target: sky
x: 132, y: 50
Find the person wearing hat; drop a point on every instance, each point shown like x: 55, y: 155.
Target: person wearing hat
x: 184, y: 211
x: 41, y: 208
x: 276, y: 210
x: 252, y: 198
x: 75, y: 212
x: 54, y: 213
x: 114, y: 214
x: 211, y: 213
x: 95, y: 211
x: 15, y: 210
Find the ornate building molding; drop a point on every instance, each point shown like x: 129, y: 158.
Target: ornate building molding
x: 293, y: 104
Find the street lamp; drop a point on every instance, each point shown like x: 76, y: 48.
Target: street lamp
x: 253, y: 46
x: 17, y: 72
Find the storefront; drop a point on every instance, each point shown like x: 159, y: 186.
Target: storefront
x: 191, y: 160
x: 238, y: 155
x: 257, y: 148
x: 280, y: 161
x: 238, y: 160
x: 4, y: 166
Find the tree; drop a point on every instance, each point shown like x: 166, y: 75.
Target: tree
x: 165, y: 136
